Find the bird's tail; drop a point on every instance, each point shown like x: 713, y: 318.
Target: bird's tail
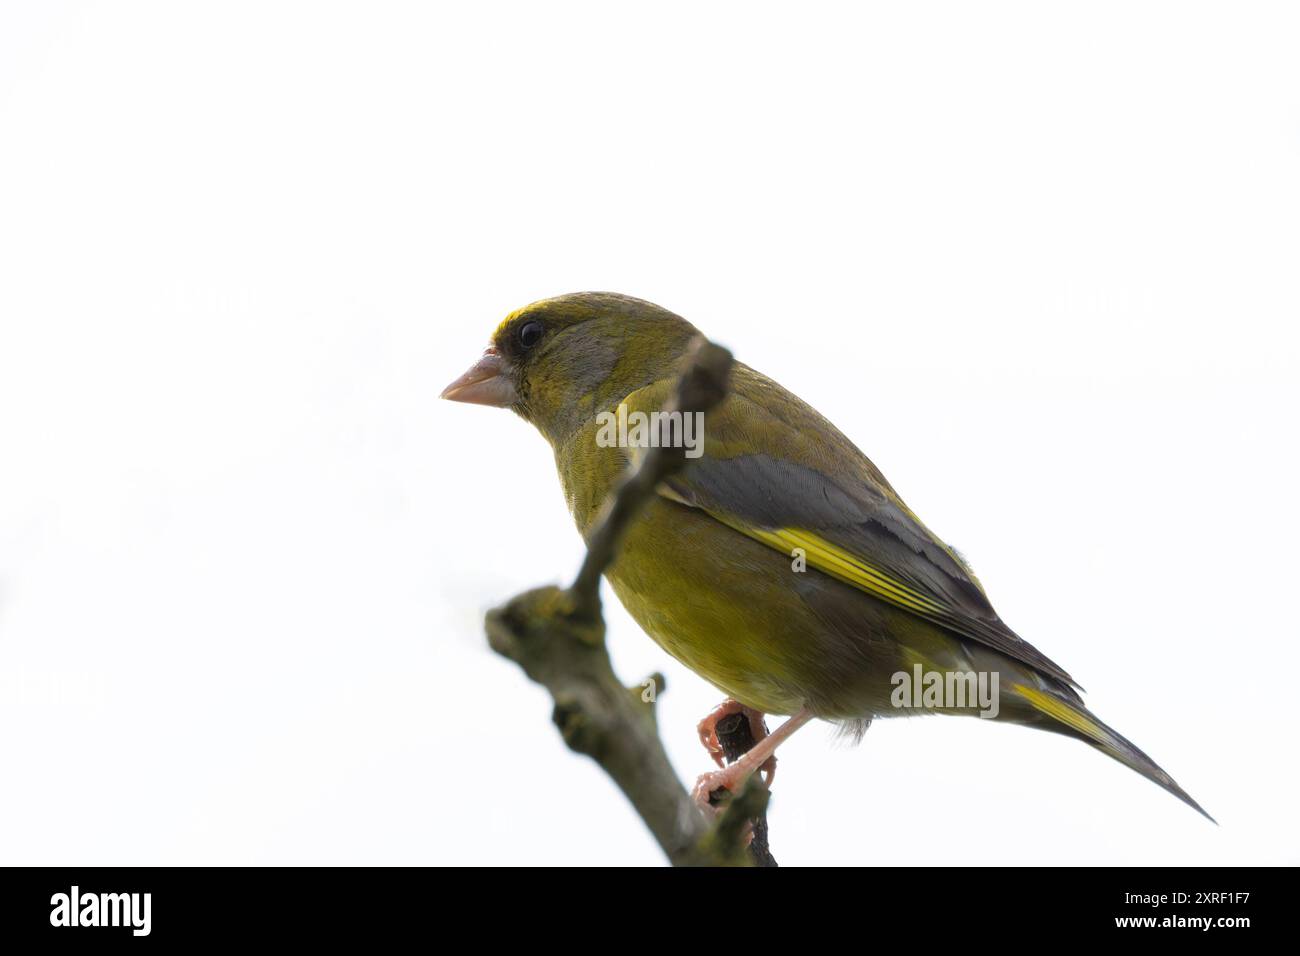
x: 1073, y: 719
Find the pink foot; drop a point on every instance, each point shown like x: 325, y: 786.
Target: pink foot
x: 708, y: 730
x: 703, y: 791
x: 756, y: 759
x: 706, y: 783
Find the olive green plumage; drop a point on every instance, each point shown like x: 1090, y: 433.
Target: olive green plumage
x: 707, y: 569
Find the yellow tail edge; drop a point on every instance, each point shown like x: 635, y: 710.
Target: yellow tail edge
x: 1080, y: 720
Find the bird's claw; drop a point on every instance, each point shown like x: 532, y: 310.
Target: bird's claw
x: 708, y: 731
x: 705, y: 786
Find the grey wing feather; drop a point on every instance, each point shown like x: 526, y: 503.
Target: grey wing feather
x: 861, y: 515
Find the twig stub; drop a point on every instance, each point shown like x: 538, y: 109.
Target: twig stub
x: 736, y: 737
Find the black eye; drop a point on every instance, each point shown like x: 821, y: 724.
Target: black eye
x: 530, y: 333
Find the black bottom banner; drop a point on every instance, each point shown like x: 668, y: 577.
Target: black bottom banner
x: 1222, y: 907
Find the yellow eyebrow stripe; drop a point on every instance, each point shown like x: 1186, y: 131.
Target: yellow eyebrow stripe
x: 845, y: 566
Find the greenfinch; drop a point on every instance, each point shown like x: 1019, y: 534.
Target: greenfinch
x: 779, y: 565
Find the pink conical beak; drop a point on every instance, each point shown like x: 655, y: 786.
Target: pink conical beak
x: 486, y: 383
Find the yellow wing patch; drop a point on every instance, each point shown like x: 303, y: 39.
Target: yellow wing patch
x: 849, y: 568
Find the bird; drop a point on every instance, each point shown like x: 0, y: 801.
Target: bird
x: 780, y: 565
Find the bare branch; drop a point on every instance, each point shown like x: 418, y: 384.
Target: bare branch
x: 702, y: 386
x: 558, y: 638
x: 735, y: 736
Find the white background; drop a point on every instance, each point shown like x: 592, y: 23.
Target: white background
x: 1038, y: 260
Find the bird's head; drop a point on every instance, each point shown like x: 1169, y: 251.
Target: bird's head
x: 559, y: 361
